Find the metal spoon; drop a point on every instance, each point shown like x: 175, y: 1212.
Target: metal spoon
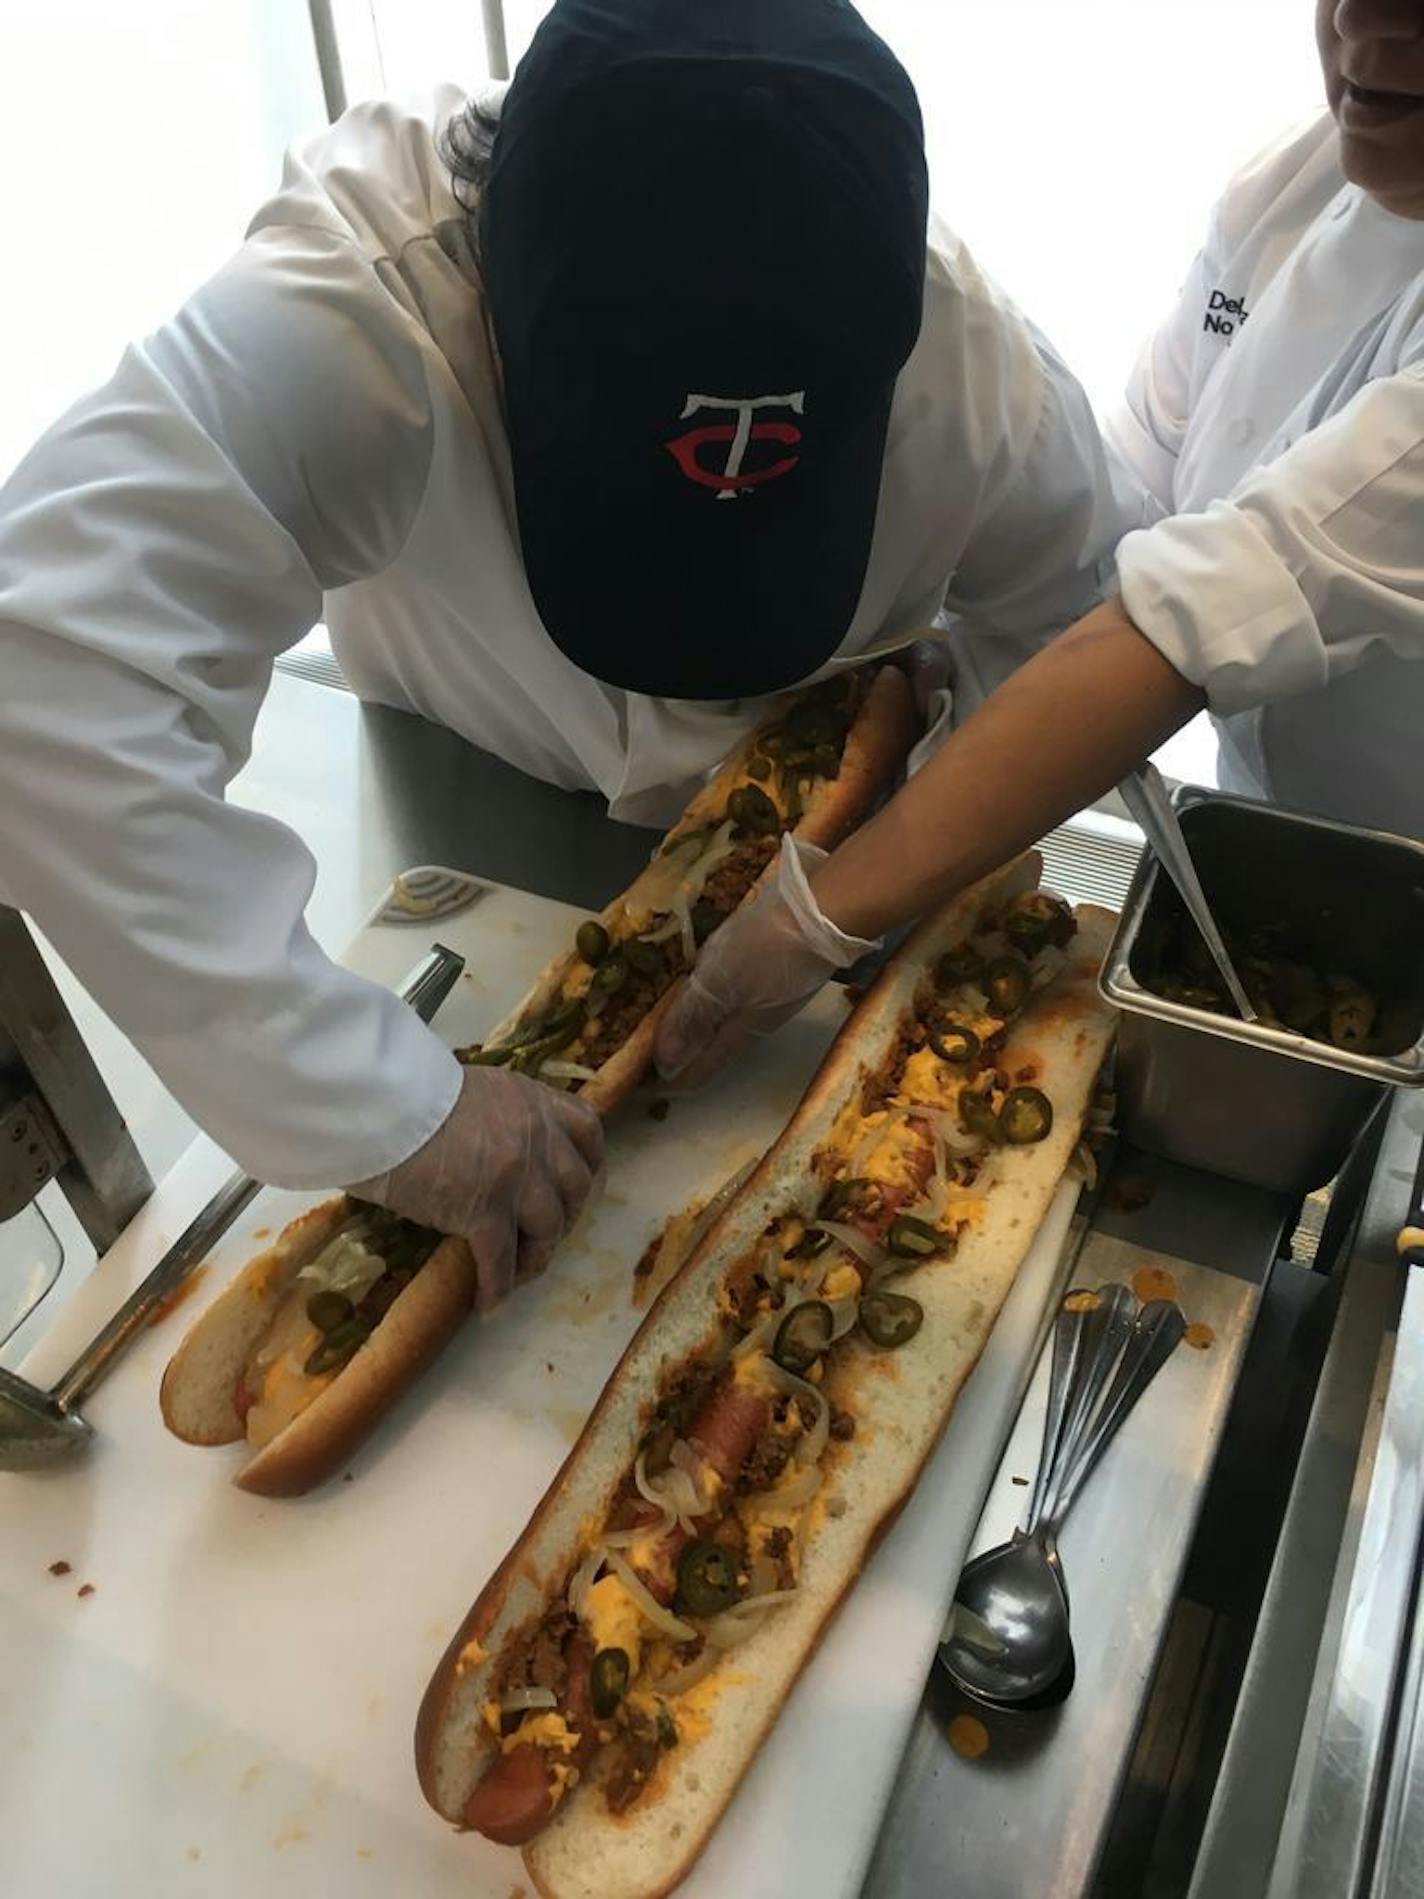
x: 981, y: 1633
x: 1009, y: 1639
x: 38, y: 1427
x: 1150, y: 803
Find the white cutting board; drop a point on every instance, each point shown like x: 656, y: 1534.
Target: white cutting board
x: 230, y: 1712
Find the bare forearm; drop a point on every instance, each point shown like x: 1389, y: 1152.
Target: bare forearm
x: 1056, y: 735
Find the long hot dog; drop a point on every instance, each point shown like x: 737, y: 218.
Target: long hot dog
x: 779, y: 1401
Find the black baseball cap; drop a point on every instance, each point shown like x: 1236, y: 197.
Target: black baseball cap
x: 703, y: 239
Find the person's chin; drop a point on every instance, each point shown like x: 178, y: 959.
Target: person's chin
x: 1395, y: 179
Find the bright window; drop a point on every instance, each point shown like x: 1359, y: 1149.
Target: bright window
x: 136, y: 141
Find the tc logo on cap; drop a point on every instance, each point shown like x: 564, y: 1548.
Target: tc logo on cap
x: 729, y: 480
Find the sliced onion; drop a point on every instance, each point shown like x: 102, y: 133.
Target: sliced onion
x: 554, y: 1070
x: 663, y: 1620
x: 681, y: 1679
x: 682, y: 909
x: 624, y: 1539
x: 584, y: 1578
x: 346, y: 1264
x: 651, y: 1494
x: 744, y: 1618
x: 755, y: 1340
x: 944, y: 1123
x: 669, y: 926
x: 1045, y: 966
x: 975, y: 999
x: 1086, y: 1162
x: 813, y: 1441
x: 719, y: 848
x: 521, y: 1700
x: 844, y: 1313
x: 869, y: 1252
x: 684, y: 1457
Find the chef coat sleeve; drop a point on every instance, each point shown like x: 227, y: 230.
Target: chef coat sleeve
x: 158, y: 547
x: 1043, y: 554
x: 1315, y: 561
x: 1145, y: 430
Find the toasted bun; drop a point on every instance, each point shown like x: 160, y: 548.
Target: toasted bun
x: 885, y: 727
x: 320, y: 1439
x: 901, y: 1402
x: 197, y: 1396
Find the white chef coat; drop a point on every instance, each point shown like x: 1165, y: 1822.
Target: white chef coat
x: 318, y: 431
x: 1278, y: 418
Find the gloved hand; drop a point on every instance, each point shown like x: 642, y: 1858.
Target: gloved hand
x: 507, y: 1171
x: 764, y: 964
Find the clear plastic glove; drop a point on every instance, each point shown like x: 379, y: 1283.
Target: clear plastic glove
x: 507, y: 1171
x: 763, y: 965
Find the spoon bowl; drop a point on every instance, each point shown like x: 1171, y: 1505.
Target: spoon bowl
x: 1009, y: 1639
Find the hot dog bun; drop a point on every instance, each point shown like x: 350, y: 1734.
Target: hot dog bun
x: 886, y: 725
x: 901, y: 1403
x: 198, y: 1393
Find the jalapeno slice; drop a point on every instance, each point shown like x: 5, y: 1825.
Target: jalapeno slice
x: 705, y: 918
x: 977, y: 1116
x: 910, y: 1238
x: 803, y: 1335
x: 963, y: 963
x: 591, y: 941
x: 753, y: 811
x: 338, y: 1346
x: 759, y: 766
x: 706, y: 1578
x: 1006, y: 983
x: 327, y: 1310
x: 610, y: 975
x: 476, y: 1057
x: 1036, y: 919
x: 642, y: 958
x: 890, y: 1319
x: 953, y: 1041
x: 608, y: 1681
x: 842, y: 1195
x: 1026, y: 1116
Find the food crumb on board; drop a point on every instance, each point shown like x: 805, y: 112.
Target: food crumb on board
x: 195, y: 1852
x: 548, y: 1364
x: 364, y: 1852
x: 1081, y: 1302
x: 84, y: 1589
x: 1154, y: 1282
x: 348, y: 1477
x: 1019, y: 1480
x: 516, y: 1892
x: 261, y: 1232
x: 61, y: 1568
x: 1199, y: 1336
x: 658, y: 1110
x: 968, y: 1736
